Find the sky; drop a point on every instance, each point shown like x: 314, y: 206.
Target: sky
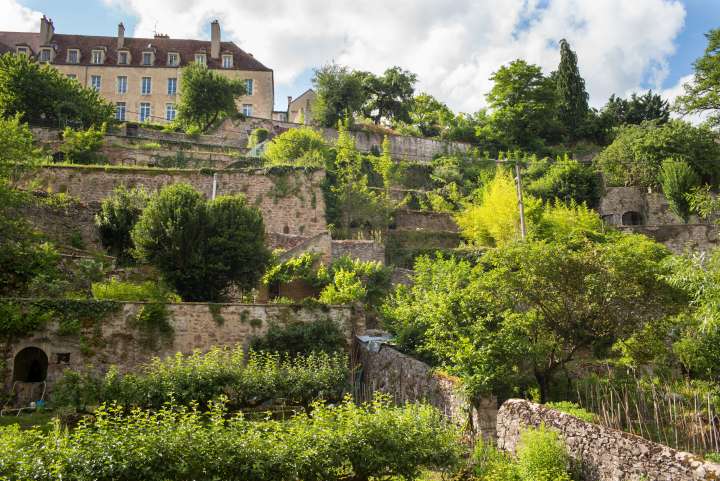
x: 452, y: 45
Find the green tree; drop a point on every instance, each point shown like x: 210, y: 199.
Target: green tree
x: 340, y: 94
x: 568, y: 180
x: 522, y: 103
x: 304, y: 147
x: 202, y: 248
x: 207, y: 96
x: 636, y: 110
x: 117, y: 217
x: 678, y: 180
x: 389, y: 96
x: 429, y: 115
x: 572, y: 98
x: 18, y: 154
x: 82, y: 146
x: 43, y: 95
x: 635, y: 157
x: 702, y: 94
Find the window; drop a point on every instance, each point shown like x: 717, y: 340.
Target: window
x: 23, y: 51
x: 95, y: 82
x: 73, y: 56
x: 170, y: 112
x: 72, y: 76
x: 120, y: 111
x: 147, y: 58
x: 247, y: 110
x: 97, y: 57
x: 173, y: 59
x: 146, y: 86
x: 172, y: 86
x: 44, y: 54
x: 123, y: 58
x: 122, y: 84
x: 144, y: 112
x: 200, y: 59
x: 248, y: 86
x: 227, y: 61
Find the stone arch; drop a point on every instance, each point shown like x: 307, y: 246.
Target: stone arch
x: 632, y: 218
x: 30, y: 365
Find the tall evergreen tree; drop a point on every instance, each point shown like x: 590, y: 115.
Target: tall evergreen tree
x: 571, y: 94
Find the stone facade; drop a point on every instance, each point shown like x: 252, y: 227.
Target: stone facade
x: 115, y: 341
x: 423, y: 220
x: 680, y: 238
x: 364, y: 250
x: 291, y: 202
x: 605, y: 454
x: 408, y: 380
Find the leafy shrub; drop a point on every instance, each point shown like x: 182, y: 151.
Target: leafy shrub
x: 202, y: 248
x: 299, y: 338
x: 370, y: 441
x: 303, y: 146
x: 542, y: 456
x: 714, y: 457
x: 127, y: 291
x: 346, y: 288
x: 18, y: 153
x: 81, y: 147
x: 573, y: 410
x: 303, y: 267
x: 490, y: 464
x: 202, y: 378
x: 568, y: 180
x: 257, y: 136
x: 678, y: 180
x: 118, y: 215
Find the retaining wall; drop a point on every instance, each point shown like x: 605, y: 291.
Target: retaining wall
x: 605, y: 454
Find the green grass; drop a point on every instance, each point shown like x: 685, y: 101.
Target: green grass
x: 27, y: 421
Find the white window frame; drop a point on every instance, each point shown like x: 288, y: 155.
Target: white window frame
x: 249, y: 86
x: 170, y: 112
x: 201, y: 58
x: 97, y: 57
x: 127, y: 57
x: 141, y: 116
x: 96, y: 85
x: 143, y: 82
x: 173, y: 55
x: 147, y: 55
x: 122, y: 84
x: 77, y: 56
x: 120, y: 111
x: 172, y: 81
x: 247, y: 110
x: 227, y: 61
x: 45, y: 51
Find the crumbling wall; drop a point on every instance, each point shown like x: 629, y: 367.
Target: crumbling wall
x: 605, y: 454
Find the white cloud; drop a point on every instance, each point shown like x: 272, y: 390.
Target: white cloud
x: 18, y: 18
x: 453, y: 45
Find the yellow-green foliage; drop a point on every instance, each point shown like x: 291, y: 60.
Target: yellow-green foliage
x: 542, y: 456
x: 495, y: 220
x: 117, y: 290
x: 345, y: 289
x: 303, y: 146
x: 567, y: 221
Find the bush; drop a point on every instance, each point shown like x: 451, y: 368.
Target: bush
x: 304, y: 147
x: 678, y: 180
x: 568, y: 181
x: 117, y: 290
x: 372, y: 440
x: 542, y: 456
x: 202, y: 248
x: 81, y: 147
x: 18, y: 153
x: 118, y: 215
x: 573, y: 410
x: 300, y: 338
x: 202, y: 378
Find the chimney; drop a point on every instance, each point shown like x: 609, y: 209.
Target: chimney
x: 47, y: 30
x: 215, y: 39
x: 289, y: 102
x: 121, y: 36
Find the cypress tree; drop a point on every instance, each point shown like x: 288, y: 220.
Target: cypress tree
x: 571, y: 95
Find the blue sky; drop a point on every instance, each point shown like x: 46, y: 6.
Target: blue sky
x: 622, y: 45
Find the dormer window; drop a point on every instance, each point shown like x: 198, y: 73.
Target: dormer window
x: 23, y: 51
x: 123, y: 58
x: 200, y: 59
x: 227, y: 61
x: 45, y: 54
x: 73, y: 56
x: 98, y: 57
x: 173, y: 59
x: 147, y: 58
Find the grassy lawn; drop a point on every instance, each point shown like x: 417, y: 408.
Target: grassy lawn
x: 27, y: 421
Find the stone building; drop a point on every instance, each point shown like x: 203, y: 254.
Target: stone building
x: 141, y: 76
x: 300, y: 109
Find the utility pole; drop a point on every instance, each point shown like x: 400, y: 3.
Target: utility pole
x: 521, y: 206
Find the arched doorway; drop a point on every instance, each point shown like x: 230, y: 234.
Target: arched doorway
x: 31, y: 365
x: 632, y: 218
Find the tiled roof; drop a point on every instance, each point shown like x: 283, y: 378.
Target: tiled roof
x: 161, y: 46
